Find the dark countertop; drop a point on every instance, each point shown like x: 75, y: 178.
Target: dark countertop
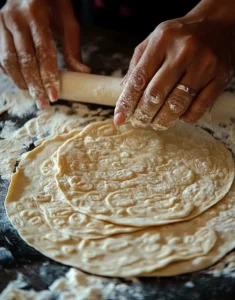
x: 105, y: 52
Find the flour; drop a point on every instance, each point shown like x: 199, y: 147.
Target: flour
x: 58, y: 119
x: 226, y: 267
x: 17, y: 103
x: 189, y: 284
x: 74, y: 285
x: 14, y: 141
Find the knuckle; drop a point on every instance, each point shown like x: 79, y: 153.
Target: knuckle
x: 138, y: 50
x: 143, y: 115
x: 46, y: 54
x: 177, y: 104
x: 190, y: 44
x: 33, y: 6
x: 209, y: 62
x: 140, y: 119
x: 166, y: 28
x: 8, y: 11
x: 138, y: 80
x: 212, y: 58
x: 26, y: 60
x: 12, y: 19
x: 154, y: 96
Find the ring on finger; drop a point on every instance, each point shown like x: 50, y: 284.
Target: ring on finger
x: 186, y: 89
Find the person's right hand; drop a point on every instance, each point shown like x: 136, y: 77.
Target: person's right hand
x: 28, y: 52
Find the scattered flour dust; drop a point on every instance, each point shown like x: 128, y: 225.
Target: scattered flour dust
x: 226, y: 267
x: 75, y: 285
x: 16, y: 140
x: 17, y: 103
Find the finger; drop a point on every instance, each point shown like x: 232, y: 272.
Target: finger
x: 71, y: 45
x: 71, y: 38
x: 8, y: 57
x: 136, y: 84
x: 27, y: 60
x: 46, y: 52
x: 178, y: 101
x: 204, y: 101
x: 175, y: 105
x: 157, y: 91
x: 139, y: 50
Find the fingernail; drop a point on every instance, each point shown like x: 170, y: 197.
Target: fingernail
x: 52, y: 94
x: 119, y: 118
x: 43, y: 105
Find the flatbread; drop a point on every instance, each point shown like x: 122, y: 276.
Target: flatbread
x: 58, y: 214
x: 162, y: 250
x: 141, y: 177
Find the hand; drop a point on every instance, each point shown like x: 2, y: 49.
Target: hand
x: 197, y: 54
x: 28, y: 52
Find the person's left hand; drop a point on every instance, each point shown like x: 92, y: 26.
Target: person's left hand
x: 176, y: 73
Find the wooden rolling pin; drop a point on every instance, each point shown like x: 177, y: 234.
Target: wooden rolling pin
x: 90, y: 88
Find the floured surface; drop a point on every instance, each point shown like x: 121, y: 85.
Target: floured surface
x: 74, y: 285
x: 223, y: 126
x: 17, y: 104
x: 15, y: 141
x: 142, y: 177
x: 196, y: 243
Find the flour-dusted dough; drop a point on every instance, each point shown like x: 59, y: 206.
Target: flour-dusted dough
x: 58, y: 214
x: 162, y: 250
x: 141, y: 177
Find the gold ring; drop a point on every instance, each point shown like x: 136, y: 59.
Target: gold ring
x: 186, y: 89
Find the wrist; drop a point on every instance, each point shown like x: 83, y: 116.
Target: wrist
x: 213, y: 11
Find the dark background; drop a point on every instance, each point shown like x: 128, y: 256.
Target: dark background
x: 146, y: 14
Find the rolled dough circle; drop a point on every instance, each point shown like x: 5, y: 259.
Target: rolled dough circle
x: 34, y: 202
x: 142, y: 177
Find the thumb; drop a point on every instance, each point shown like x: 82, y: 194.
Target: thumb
x: 71, y: 47
x: 71, y: 39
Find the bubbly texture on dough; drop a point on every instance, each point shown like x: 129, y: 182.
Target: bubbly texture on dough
x: 43, y: 217
x: 143, y: 177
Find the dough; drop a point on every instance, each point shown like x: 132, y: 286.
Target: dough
x: 33, y: 205
x: 143, y: 177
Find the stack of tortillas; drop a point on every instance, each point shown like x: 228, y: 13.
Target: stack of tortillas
x: 127, y: 202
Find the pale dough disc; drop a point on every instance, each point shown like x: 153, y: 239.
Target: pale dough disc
x: 44, y: 191
x: 190, y: 245
x: 140, y: 177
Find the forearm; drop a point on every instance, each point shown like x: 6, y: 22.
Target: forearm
x: 222, y: 11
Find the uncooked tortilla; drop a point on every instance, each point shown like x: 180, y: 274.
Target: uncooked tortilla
x: 142, y: 177
x: 161, y: 250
